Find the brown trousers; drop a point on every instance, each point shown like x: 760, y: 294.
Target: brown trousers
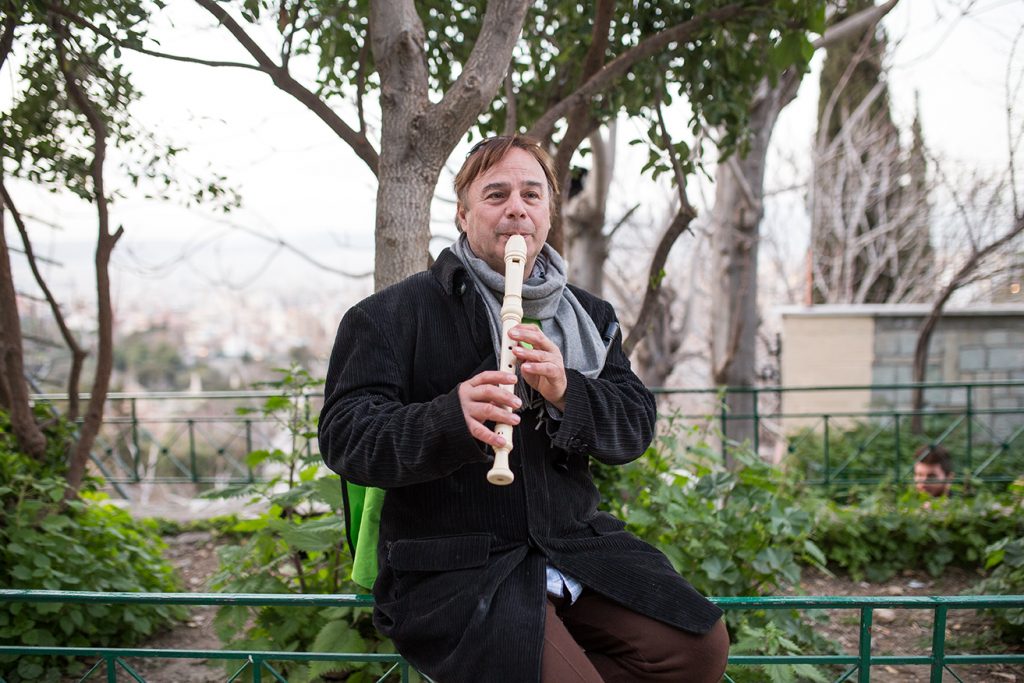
x: 596, y: 640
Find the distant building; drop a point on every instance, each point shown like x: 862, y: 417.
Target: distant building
x: 872, y: 346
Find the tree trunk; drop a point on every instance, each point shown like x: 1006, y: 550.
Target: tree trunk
x: 586, y: 248
x: 14, y: 395
x: 417, y: 135
x: 93, y: 418
x: 736, y: 220
x: 402, y: 233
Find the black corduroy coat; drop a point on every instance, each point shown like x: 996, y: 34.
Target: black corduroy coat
x: 461, y: 587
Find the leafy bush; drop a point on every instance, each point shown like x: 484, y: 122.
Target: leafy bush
x: 1005, y: 558
x: 742, y: 532
x: 296, y: 546
x: 84, y: 544
x: 882, y: 535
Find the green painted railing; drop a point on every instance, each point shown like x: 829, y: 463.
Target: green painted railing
x: 174, y: 437
x: 113, y: 660
x: 986, y: 419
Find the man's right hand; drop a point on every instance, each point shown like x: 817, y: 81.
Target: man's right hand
x: 484, y: 400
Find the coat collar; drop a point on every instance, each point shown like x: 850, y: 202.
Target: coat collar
x: 450, y: 273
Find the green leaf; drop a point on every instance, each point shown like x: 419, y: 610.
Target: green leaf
x: 338, y: 636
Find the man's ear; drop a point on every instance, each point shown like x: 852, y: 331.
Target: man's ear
x: 460, y: 216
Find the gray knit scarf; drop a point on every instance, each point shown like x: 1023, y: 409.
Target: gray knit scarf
x: 545, y: 298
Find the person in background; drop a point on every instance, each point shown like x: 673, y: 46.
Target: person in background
x: 933, y: 470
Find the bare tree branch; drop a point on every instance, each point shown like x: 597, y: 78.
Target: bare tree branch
x: 358, y: 141
x: 77, y: 353
x: 680, y: 224
x: 99, y: 30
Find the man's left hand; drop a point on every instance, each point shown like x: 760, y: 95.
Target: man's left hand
x: 542, y: 366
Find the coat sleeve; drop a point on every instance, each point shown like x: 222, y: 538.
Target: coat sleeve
x: 369, y: 433
x: 612, y: 416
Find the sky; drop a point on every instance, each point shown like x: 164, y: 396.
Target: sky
x: 301, y: 183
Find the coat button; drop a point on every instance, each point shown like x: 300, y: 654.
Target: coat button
x: 461, y: 289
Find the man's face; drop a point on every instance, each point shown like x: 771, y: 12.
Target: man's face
x: 930, y: 479
x: 510, y: 198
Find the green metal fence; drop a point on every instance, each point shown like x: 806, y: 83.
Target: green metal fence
x: 981, y: 423
x: 175, y: 437
x: 113, y: 662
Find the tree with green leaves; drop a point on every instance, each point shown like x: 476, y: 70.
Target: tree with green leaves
x: 71, y: 106
x: 436, y: 69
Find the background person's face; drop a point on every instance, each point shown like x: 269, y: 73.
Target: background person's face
x: 510, y: 198
x: 930, y: 479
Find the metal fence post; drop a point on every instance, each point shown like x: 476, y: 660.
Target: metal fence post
x: 828, y: 463
x: 970, y: 430
x: 248, y: 448
x: 192, y: 450
x: 756, y: 396
x: 864, y: 647
x: 938, y: 644
x: 137, y: 455
x: 724, y: 419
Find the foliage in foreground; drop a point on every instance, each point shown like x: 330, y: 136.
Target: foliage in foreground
x: 1005, y: 558
x: 295, y: 546
x: 729, y: 533
x: 83, y: 545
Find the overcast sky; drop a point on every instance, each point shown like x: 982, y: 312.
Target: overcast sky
x: 300, y: 182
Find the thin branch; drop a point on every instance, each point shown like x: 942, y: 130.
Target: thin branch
x: 293, y: 25
x: 287, y: 246
x: 99, y: 30
x: 1011, y: 143
x: 680, y: 224
x: 364, y: 54
x: 623, y: 221
x: 511, y: 124
x: 358, y: 141
x: 77, y: 353
x: 648, y: 48
x: 7, y: 37
x: 677, y: 168
x: 105, y: 242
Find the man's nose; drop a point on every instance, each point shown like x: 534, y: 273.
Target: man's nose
x: 515, y: 207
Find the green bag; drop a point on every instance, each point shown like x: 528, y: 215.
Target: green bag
x: 362, y: 527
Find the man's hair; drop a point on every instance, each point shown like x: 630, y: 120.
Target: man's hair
x: 489, y: 152
x: 935, y: 455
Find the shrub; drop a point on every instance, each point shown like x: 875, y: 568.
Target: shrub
x: 1005, y: 558
x: 882, y: 534
x: 295, y: 546
x: 741, y: 532
x: 84, y: 544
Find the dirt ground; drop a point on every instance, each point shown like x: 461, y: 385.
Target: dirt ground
x: 895, y: 631
x: 909, y: 632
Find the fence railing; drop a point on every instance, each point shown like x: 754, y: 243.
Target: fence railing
x: 259, y: 664
x: 981, y: 423
x: 193, y: 438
